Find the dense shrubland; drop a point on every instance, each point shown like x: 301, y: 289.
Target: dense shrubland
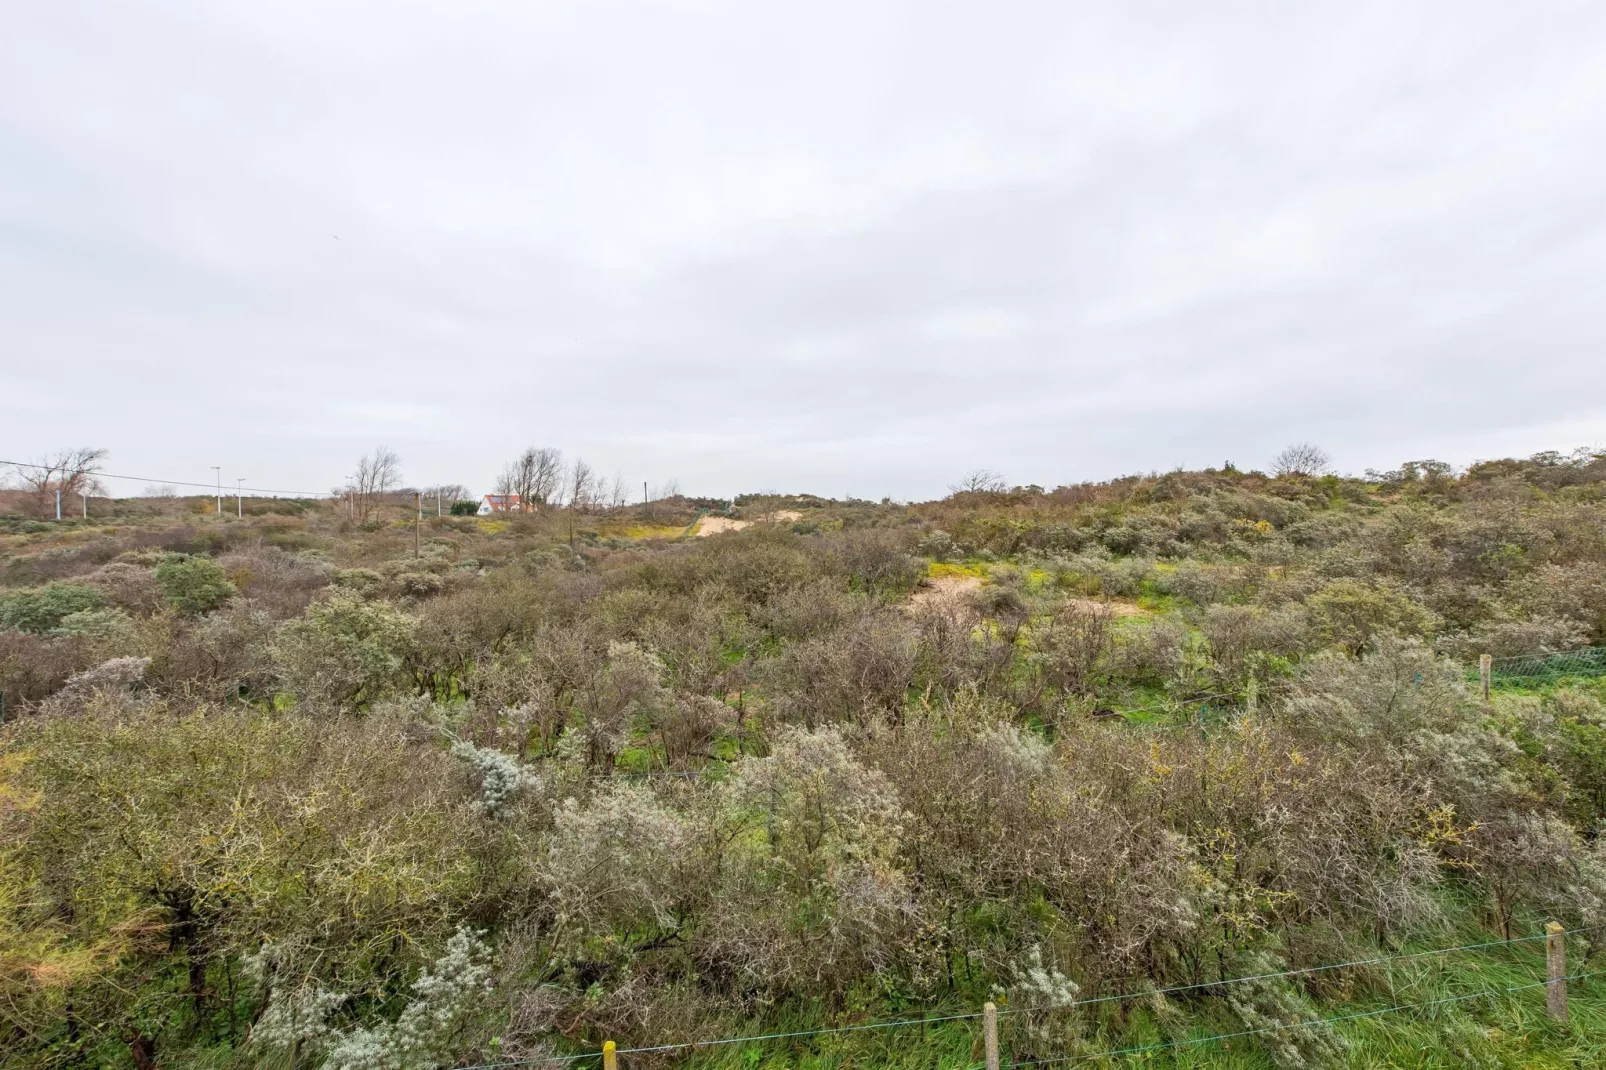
x: 278, y: 791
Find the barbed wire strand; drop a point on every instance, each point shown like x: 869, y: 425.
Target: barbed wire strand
x: 722, y: 1041
x: 902, y: 1023
x: 1581, y: 651
x: 1310, y: 1024
x: 1318, y: 969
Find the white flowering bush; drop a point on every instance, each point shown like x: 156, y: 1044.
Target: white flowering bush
x: 501, y: 778
x: 115, y: 675
x: 1039, y: 996
x: 427, y: 1034
x: 296, y: 1016
x: 614, y: 862
x: 820, y: 807
x: 1273, y: 1005
x: 813, y: 890
x: 1015, y: 752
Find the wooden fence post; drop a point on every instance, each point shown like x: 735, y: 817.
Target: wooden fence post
x: 610, y: 1055
x: 989, y: 1028
x: 1485, y: 672
x: 1556, y: 971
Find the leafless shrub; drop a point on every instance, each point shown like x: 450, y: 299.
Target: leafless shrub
x: 877, y: 562
x: 1074, y: 646
x: 857, y: 673
x: 800, y: 612
x: 128, y: 586
x: 1302, y: 459
x: 224, y: 655
x: 280, y: 583
x: 1242, y: 638
x: 951, y: 650
x: 687, y: 726
x: 628, y: 686
x: 981, y: 481
x: 1511, y: 638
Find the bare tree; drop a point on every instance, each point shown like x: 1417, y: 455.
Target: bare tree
x: 1302, y: 459
x: 507, y: 485
x: 536, y: 476
x: 582, y: 486
x: 981, y: 481
x: 618, y: 494
x: 447, y: 493
x: 71, y: 472
x: 377, y: 475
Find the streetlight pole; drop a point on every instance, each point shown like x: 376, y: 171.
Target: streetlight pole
x: 217, y: 470
x: 239, y: 507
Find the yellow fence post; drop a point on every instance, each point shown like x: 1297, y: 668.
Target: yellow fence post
x: 610, y: 1055
x: 1556, y: 971
x: 989, y: 1028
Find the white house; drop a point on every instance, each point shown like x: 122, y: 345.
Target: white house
x: 499, y: 503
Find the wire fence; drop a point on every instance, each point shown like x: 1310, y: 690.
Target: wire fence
x: 1584, y: 661
x: 1313, y: 1023
x: 905, y: 1023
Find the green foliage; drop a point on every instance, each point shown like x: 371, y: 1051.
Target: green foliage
x: 345, y: 651
x: 41, y: 610
x: 151, y: 856
x: 530, y: 791
x: 1349, y: 613
x: 465, y: 508
x: 194, y: 584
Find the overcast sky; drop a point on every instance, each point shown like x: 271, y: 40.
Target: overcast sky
x: 831, y: 247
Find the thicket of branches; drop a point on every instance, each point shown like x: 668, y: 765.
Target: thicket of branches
x: 282, y: 789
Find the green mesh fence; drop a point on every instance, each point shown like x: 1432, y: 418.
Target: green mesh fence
x: 1588, y: 661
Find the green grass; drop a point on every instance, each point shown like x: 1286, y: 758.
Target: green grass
x: 1432, y: 1011
x: 1436, y: 1027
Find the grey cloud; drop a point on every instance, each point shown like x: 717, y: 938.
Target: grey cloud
x: 858, y: 248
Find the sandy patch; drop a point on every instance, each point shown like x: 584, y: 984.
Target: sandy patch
x: 716, y: 525
x: 942, y: 590
x: 1119, y: 609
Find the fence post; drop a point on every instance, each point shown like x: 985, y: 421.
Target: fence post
x: 1556, y: 971
x: 989, y: 1029
x: 610, y: 1055
x: 1485, y: 671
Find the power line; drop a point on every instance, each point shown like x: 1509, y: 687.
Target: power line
x: 174, y: 482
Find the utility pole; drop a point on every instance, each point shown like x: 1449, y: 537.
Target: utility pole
x: 58, y: 503
x: 418, y: 524
x: 85, y: 494
x: 217, y: 470
x: 643, y: 492
x: 239, y: 503
x: 437, y: 503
